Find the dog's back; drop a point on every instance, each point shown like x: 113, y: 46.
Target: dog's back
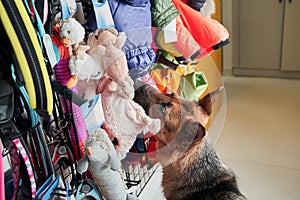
x: 191, y: 168
x: 199, y: 174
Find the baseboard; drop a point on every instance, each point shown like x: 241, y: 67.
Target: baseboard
x: 266, y: 73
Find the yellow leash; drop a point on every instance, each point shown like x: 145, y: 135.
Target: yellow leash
x: 37, y: 80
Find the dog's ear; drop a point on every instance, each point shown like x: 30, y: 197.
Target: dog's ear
x: 207, y: 101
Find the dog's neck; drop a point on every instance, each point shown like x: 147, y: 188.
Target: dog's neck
x: 199, y: 169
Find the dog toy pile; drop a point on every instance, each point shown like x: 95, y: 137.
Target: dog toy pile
x: 68, y: 72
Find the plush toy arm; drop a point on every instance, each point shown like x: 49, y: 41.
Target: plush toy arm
x: 112, y: 86
x: 102, y: 84
x: 125, y: 89
x: 155, y: 125
x: 120, y: 40
x: 72, y: 65
x: 129, y: 80
x: 139, y: 117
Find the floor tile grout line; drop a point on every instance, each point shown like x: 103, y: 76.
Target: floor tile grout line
x: 261, y: 164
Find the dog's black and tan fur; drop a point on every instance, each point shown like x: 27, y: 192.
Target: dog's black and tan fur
x: 191, y: 168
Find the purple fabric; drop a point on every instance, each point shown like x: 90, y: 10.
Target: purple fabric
x: 91, y: 22
x: 131, y: 14
x: 137, y: 2
x: 134, y: 18
x: 62, y: 74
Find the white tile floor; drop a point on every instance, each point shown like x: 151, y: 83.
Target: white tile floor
x: 260, y: 140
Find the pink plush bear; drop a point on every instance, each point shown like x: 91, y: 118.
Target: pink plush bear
x: 123, y: 116
x: 103, y: 37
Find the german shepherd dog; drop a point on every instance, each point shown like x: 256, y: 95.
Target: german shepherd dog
x: 191, y: 167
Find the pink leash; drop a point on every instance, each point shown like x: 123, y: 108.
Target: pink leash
x: 17, y: 149
x: 2, y: 189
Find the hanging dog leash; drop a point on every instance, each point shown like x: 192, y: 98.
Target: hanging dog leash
x: 22, y: 36
x: 11, y: 138
x: 35, y: 137
x: 17, y: 144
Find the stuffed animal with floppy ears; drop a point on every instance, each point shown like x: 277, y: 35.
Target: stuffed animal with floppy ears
x: 123, y: 116
x: 107, y: 36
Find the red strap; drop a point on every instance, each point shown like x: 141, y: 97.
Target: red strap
x: 31, y: 9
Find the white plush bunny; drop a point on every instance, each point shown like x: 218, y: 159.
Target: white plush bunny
x: 104, y: 164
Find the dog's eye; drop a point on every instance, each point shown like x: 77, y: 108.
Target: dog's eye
x: 165, y: 105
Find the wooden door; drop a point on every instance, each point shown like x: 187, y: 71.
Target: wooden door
x: 260, y: 33
x: 291, y: 36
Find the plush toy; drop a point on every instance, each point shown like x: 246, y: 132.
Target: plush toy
x: 208, y: 33
x: 197, y: 35
x: 93, y: 63
x: 105, y: 37
x: 71, y: 34
x: 123, y: 116
x: 114, y: 63
x: 75, y: 63
x: 104, y: 164
x: 84, y: 66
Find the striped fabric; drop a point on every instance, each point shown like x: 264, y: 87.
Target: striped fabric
x: 18, y: 145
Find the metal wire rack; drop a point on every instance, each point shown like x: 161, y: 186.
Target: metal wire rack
x: 137, y: 176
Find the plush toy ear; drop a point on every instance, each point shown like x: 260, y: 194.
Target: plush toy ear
x: 109, y: 29
x: 207, y: 101
x: 120, y: 40
x: 105, y: 37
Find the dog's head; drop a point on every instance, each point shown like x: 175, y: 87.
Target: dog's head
x: 182, y: 121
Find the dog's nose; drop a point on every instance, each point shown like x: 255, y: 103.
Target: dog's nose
x: 138, y: 84
x: 139, y: 93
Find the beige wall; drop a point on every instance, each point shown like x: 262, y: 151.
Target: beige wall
x: 227, y: 49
